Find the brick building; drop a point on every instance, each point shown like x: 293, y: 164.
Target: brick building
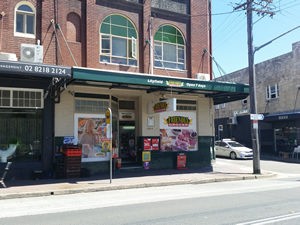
x: 146, y: 60
x: 278, y: 98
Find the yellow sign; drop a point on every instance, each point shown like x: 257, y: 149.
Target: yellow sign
x: 146, y: 156
x: 107, y: 116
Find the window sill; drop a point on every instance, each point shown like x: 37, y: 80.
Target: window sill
x: 117, y: 64
x: 24, y: 35
x: 171, y: 69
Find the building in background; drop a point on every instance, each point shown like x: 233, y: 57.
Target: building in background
x: 278, y: 99
x: 146, y: 60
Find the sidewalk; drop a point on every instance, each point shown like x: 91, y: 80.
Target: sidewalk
x: 222, y: 171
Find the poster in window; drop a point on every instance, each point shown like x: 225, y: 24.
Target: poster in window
x: 155, y: 144
x: 147, y: 144
x: 90, y: 131
x: 178, y: 131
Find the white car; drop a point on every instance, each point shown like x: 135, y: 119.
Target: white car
x: 232, y: 149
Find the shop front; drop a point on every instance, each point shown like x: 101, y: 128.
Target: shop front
x: 286, y: 131
x: 27, y: 116
x: 157, y: 115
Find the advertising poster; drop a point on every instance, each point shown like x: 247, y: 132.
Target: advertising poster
x: 178, y: 131
x: 90, y: 131
x: 151, y: 144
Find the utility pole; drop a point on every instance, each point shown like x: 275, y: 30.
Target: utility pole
x: 248, y: 6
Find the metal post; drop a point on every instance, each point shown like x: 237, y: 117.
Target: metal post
x: 108, y: 117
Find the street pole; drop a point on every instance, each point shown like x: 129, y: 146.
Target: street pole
x: 248, y: 5
x: 252, y: 84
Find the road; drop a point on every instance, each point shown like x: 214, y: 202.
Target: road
x: 262, y: 201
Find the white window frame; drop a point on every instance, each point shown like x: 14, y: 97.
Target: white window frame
x: 131, y: 49
x: 24, y: 13
x: 160, y: 58
x: 131, y: 44
x: 24, y: 99
x: 272, y: 94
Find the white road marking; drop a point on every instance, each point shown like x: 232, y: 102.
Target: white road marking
x: 271, y: 220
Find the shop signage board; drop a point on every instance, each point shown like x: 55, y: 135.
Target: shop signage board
x: 35, y: 69
x: 167, y: 105
x: 178, y: 131
x: 155, y: 81
x: 126, y: 116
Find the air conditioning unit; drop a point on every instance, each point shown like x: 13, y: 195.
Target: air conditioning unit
x: 31, y: 53
x: 8, y: 56
x: 232, y: 120
x: 203, y: 76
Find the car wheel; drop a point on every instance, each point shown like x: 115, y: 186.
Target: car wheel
x: 232, y: 155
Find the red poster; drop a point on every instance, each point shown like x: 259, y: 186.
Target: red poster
x: 155, y: 144
x: 147, y: 143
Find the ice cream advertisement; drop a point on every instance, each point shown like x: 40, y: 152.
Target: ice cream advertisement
x: 90, y: 131
x: 178, y: 131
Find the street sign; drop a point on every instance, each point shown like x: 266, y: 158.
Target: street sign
x: 256, y: 116
x: 220, y: 127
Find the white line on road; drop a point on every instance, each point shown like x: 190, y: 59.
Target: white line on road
x: 271, y: 220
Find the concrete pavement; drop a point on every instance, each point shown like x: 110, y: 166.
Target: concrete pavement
x: 222, y: 171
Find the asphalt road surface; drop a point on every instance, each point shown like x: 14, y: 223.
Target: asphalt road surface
x: 262, y: 201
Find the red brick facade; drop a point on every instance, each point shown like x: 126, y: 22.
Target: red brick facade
x: 79, y: 21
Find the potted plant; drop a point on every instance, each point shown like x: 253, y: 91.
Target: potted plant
x: 6, y: 153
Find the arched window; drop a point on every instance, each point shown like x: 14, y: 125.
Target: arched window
x: 118, y: 41
x: 73, y: 27
x: 24, y: 19
x: 169, y: 48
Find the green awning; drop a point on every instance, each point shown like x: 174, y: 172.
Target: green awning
x: 221, y: 92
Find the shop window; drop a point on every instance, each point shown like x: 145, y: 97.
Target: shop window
x: 169, y: 48
x: 91, y: 106
x: 118, y: 41
x: 25, y: 19
x: 130, y: 105
x: 186, y: 105
x: 21, y: 98
x: 287, y: 138
x: 272, y: 92
x: 25, y: 127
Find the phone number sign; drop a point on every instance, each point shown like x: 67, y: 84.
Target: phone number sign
x: 35, y: 69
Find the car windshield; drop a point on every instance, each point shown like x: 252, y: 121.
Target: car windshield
x: 235, y: 144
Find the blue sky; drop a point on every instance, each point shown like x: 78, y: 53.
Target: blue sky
x: 229, y: 31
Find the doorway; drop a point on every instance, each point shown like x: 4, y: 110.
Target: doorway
x: 127, y: 141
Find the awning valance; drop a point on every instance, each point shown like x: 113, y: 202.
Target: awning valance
x: 221, y: 92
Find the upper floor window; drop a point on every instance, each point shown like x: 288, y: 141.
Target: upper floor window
x: 272, y: 91
x: 169, y: 48
x: 24, y: 19
x: 118, y: 41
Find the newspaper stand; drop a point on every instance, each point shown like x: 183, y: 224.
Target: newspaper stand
x: 72, y: 160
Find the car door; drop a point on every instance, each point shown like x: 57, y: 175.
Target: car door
x: 218, y: 148
x: 224, y: 149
